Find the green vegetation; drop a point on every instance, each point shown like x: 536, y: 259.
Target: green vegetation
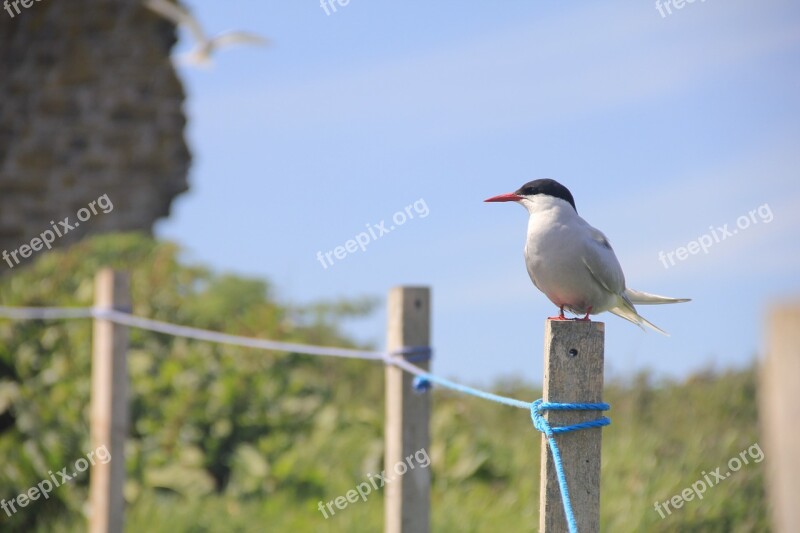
x: 229, y: 439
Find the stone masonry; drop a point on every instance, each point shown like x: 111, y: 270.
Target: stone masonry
x: 90, y: 104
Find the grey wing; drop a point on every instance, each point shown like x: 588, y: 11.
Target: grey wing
x: 602, y: 263
x: 239, y: 37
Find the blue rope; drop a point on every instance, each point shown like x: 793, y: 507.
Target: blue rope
x: 537, y: 415
x: 425, y: 379
x: 421, y: 385
x: 414, y: 354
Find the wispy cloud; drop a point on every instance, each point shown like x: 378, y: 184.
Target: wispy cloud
x: 531, y: 73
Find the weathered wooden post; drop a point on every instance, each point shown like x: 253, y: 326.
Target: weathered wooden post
x: 573, y: 373
x: 109, y: 404
x: 407, y: 498
x: 779, y: 414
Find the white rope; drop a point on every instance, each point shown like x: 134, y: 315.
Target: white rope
x: 126, y: 319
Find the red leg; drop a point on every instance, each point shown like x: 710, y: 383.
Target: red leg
x: 586, y: 317
x: 560, y: 315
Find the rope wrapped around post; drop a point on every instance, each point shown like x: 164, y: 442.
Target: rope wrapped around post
x: 540, y: 423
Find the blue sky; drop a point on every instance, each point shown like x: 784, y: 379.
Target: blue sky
x: 664, y: 129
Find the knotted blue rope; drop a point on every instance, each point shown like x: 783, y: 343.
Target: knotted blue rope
x: 417, y: 354
x: 421, y: 384
x: 540, y: 422
x: 414, y: 354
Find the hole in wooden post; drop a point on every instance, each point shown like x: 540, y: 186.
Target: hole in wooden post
x: 573, y: 352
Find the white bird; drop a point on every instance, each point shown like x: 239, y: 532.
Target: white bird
x: 201, y: 55
x: 571, y: 262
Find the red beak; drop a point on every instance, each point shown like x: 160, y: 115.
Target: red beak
x: 510, y: 197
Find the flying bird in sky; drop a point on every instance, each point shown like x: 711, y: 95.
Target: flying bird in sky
x: 201, y: 55
x: 571, y: 262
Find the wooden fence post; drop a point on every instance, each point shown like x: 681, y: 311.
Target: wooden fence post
x: 109, y: 404
x: 779, y: 413
x: 407, y: 498
x: 573, y: 373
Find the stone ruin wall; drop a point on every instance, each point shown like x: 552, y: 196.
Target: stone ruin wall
x: 90, y: 104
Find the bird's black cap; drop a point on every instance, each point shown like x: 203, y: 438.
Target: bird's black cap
x: 548, y: 187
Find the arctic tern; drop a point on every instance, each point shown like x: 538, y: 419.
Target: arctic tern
x: 570, y: 261
x: 205, y: 45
